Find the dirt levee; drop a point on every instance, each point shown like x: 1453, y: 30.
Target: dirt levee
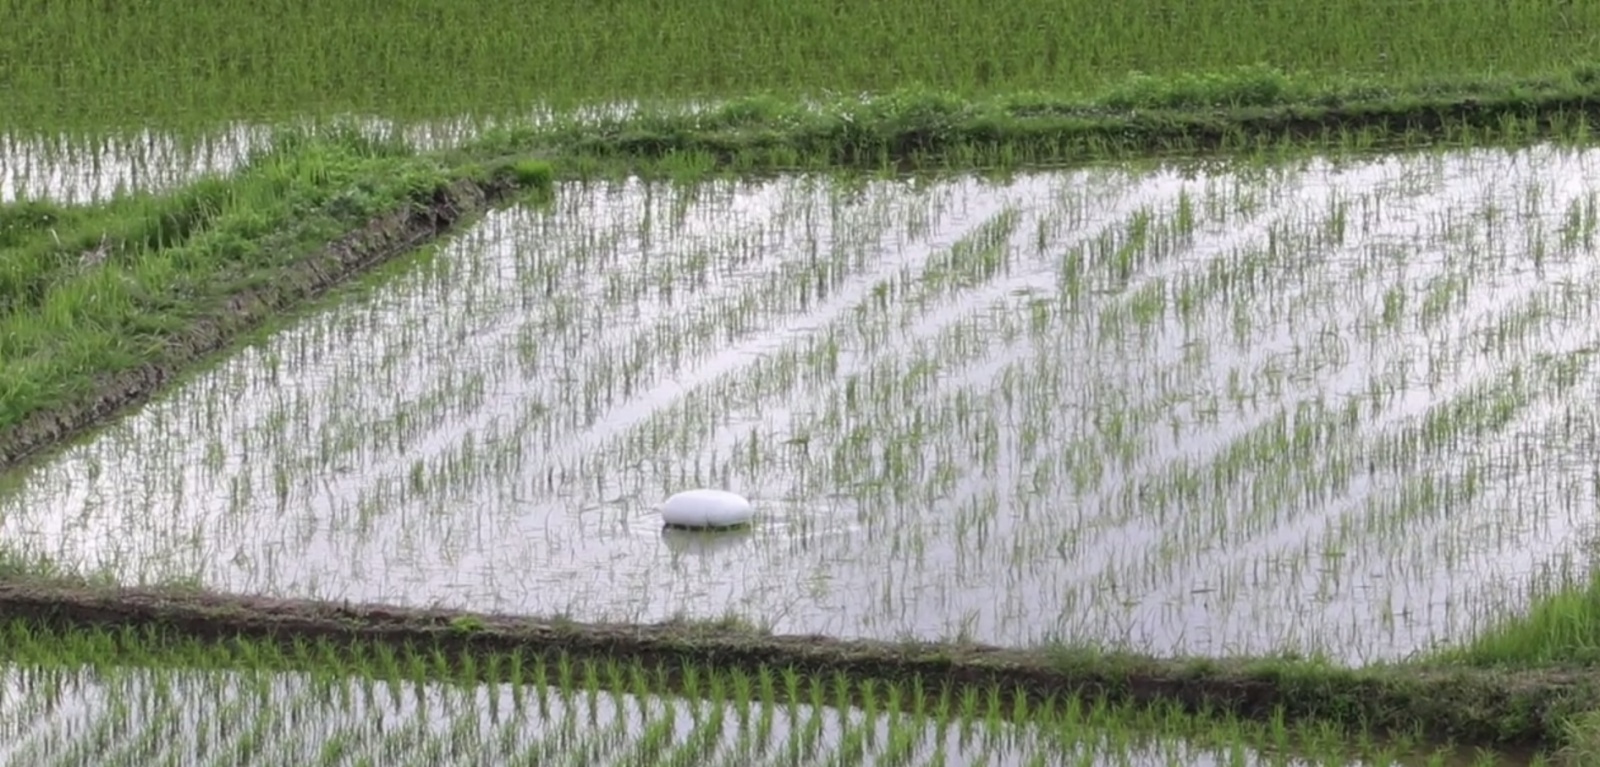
x: 380, y: 239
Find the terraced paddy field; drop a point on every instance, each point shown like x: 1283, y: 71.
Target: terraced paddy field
x: 1342, y: 408
x: 245, y: 703
x: 136, y: 717
x: 1058, y: 462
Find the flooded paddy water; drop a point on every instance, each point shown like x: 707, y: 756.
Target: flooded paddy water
x: 1345, y: 407
x: 199, y: 716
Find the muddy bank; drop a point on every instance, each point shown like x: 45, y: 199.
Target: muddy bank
x: 1511, y: 709
x: 378, y: 240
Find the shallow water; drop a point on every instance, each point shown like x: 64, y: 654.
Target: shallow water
x: 1340, y: 407
x: 191, y: 717
x: 90, y: 165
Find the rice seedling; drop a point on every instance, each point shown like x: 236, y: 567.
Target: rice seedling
x: 189, y: 61
x: 1197, y: 410
x: 93, y: 697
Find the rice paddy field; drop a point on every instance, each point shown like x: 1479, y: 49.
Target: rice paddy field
x: 83, y: 65
x: 1337, y: 404
x: 207, y: 705
x: 1342, y: 408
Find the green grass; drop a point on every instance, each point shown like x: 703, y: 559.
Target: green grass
x: 91, y: 291
x: 1249, y: 109
x: 1561, y: 627
x: 78, y: 63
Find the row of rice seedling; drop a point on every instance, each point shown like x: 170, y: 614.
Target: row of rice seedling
x: 1187, y: 410
x: 85, y: 697
x: 78, y: 65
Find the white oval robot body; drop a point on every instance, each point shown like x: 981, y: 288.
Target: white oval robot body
x: 706, y: 508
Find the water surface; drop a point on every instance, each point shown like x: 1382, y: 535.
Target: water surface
x: 1339, y: 406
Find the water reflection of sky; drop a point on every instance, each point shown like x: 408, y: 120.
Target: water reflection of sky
x: 961, y: 407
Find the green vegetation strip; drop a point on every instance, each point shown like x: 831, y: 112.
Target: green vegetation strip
x: 1248, y: 109
x: 1487, y: 707
x: 1560, y: 628
x: 76, y: 64
x: 101, y: 305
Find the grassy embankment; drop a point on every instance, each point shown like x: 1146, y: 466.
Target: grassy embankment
x: 1250, y: 110
x: 100, y: 305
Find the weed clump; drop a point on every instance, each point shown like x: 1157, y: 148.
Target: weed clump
x: 529, y: 175
x: 532, y: 174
